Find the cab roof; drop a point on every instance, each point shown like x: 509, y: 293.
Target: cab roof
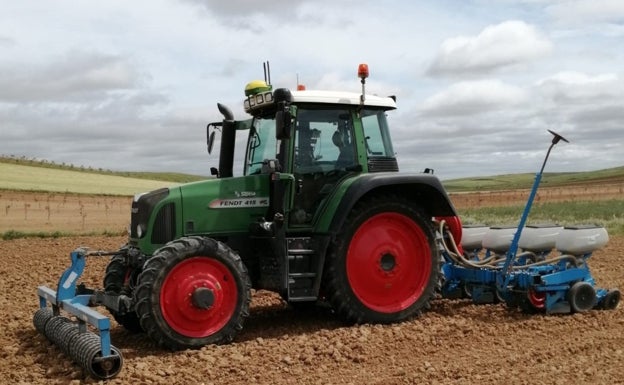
x: 340, y: 97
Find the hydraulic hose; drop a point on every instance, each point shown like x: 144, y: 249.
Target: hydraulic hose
x: 493, y: 262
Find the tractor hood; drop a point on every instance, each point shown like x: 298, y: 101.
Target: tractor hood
x: 213, y: 207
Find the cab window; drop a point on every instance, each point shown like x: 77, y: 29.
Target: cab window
x: 323, y: 151
x: 375, y: 125
x: 261, y: 145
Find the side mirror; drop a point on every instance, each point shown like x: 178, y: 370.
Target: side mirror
x: 211, y: 139
x: 283, y: 120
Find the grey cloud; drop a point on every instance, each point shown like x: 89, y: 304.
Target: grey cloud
x: 250, y: 15
x: 263, y: 16
x: 513, y: 138
x: 473, y: 97
x: 580, y: 88
x: 589, y: 106
x: 6, y: 41
x: 131, y: 145
x: 232, y: 67
x: 77, y: 74
x: 584, y: 11
x: 246, y: 7
x: 497, y: 46
x: 608, y: 120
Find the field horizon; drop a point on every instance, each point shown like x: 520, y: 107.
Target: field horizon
x: 44, y: 175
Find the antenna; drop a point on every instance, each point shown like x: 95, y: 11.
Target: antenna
x: 267, y: 72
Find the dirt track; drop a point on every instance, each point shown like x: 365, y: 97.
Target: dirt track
x: 455, y: 342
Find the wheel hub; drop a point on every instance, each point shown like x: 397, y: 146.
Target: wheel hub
x: 203, y: 298
x: 387, y: 262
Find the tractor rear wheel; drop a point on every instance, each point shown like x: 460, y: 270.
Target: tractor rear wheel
x: 120, y: 279
x: 383, y: 267
x: 194, y: 291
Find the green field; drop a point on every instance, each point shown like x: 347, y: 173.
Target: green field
x: 523, y: 181
x: 33, y: 178
x: 608, y: 213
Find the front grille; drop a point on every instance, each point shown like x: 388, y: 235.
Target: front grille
x: 382, y: 164
x: 164, y: 225
x: 142, y: 209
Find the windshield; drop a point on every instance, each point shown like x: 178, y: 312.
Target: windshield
x: 261, y: 145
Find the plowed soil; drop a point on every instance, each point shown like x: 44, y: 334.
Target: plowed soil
x: 455, y: 342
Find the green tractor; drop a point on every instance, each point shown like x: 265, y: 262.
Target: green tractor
x: 321, y: 213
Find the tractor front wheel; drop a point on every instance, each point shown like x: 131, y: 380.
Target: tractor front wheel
x: 383, y: 267
x: 120, y: 279
x: 193, y: 291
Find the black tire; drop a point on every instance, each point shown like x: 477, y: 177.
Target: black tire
x: 194, y: 291
x: 121, y: 279
x: 383, y: 266
x: 582, y: 297
x: 610, y: 300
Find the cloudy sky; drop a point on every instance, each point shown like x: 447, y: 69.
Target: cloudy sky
x: 130, y: 85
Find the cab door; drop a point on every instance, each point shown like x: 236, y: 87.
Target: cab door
x: 323, y: 153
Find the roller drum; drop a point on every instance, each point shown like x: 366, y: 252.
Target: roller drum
x: 52, y: 325
x: 64, y: 334
x: 78, y: 342
x: 41, y: 318
x: 86, y: 351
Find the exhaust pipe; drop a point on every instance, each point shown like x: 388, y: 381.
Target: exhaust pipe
x: 228, y: 139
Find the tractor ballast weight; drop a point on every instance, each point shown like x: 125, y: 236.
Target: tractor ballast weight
x: 321, y: 213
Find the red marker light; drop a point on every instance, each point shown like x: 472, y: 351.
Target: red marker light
x: 300, y: 87
x: 363, y: 71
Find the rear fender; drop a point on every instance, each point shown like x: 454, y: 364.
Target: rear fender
x: 423, y: 189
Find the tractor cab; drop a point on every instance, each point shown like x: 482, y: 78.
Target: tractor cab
x: 314, y: 139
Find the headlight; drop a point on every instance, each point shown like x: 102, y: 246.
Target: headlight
x: 142, y: 209
x: 137, y: 196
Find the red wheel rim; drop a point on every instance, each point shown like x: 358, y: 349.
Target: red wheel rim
x: 176, y: 297
x: 388, y: 262
x: 538, y: 300
x: 126, y: 279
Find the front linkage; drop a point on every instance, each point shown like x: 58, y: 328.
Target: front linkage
x: 94, y: 353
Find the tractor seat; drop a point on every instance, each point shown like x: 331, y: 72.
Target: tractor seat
x: 583, y: 239
x: 539, y: 238
x: 345, y: 157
